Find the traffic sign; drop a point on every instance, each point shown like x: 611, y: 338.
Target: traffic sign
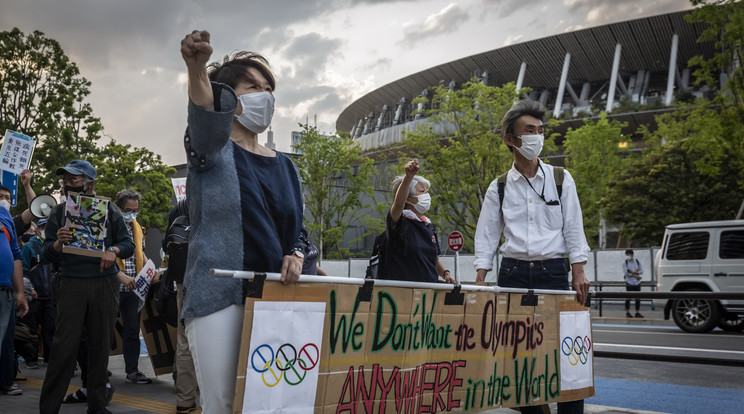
x: 455, y: 241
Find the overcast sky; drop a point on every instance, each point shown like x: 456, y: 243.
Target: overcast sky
x: 325, y: 53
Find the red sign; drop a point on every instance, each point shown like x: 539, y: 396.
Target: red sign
x: 455, y: 241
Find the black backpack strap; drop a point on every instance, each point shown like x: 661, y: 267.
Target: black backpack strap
x: 183, y: 207
x: 558, y: 174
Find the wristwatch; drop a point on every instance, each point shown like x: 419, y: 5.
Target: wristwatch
x: 112, y: 249
x: 298, y: 253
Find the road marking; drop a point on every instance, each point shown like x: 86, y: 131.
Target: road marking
x: 138, y: 403
x: 687, y: 334
x: 669, y: 348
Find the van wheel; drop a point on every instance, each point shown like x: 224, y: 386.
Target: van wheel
x: 696, y: 315
x: 731, y: 324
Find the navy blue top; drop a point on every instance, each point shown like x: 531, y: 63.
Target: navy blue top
x: 411, y: 251
x: 9, y: 251
x: 245, y: 210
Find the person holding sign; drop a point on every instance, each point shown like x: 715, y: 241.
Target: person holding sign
x: 87, y: 295
x: 541, y: 222
x: 234, y: 184
x: 128, y: 202
x: 411, y: 248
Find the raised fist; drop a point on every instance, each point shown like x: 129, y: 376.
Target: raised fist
x: 412, y: 168
x: 196, y: 49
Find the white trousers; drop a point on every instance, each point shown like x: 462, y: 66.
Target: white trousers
x: 214, y: 341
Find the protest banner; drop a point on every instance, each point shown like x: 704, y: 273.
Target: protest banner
x: 142, y: 282
x: 16, y: 152
x: 86, y: 217
x: 388, y: 349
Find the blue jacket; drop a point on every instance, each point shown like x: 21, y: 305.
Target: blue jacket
x: 9, y: 251
x: 245, y: 209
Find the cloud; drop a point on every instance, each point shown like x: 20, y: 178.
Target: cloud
x: 502, y: 9
x: 512, y: 39
x: 447, y: 20
x: 600, y: 12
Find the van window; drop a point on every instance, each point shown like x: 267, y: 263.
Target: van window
x: 688, y: 246
x: 732, y: 244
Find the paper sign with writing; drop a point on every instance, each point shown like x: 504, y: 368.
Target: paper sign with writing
x: 394, y: 350
x: 179, y: 187
x: 284, y: 357
x: 86, y: 216
x: 16, y: 153
x: 142, y: 281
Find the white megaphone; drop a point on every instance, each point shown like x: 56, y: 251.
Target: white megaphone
x: 42, y: 205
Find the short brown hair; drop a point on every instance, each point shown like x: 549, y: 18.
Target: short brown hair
x: 234, y: 68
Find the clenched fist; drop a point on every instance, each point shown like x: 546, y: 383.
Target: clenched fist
x: 196, y: 49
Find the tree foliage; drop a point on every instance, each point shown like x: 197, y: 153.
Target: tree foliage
x: 43, y: 95
x: 461, y: 151
x: 594, y: 161
x: 335, y: 178
x: 726, y: 30
x: 122, y: 166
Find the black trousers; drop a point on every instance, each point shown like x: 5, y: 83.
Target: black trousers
x: 631, y: 288
x: 83, y: 304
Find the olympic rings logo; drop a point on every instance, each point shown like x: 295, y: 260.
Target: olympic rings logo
x: 577, y: 349
x: 284, y: 364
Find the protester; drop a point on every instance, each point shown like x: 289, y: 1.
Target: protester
x: 87, y: 296
x: 632, y: 271
x: 412, y: 248
x: 233, y: 183
x: 128, y: 202
x: 23, y: 220
x: 541, y: 229
x: 39, y: 272
x: 12, y: 298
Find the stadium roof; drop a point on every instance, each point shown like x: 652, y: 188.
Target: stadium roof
x: 646, y: 45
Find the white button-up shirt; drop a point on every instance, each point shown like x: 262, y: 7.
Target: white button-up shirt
x: 533, y: 230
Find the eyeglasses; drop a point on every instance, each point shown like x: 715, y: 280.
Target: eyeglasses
x: 72, y: 181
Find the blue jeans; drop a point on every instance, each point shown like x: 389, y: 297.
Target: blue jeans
x: 7, y: 335
x: 546, y: 274
x: 130, y: 321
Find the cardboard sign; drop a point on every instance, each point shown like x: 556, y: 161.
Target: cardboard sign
x: 387, y: 350
x: 16, y: 153
x: 86, y: 216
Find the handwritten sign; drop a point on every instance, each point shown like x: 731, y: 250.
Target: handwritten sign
x: 179, y: 187
x: 387, y: 349
x: 16, y: 153
x: 142, y: 282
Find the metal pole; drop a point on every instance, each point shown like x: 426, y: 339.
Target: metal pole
x: 613, y: 79
x: 520, y: 78
x: 562, y: 86
x: 672, y: 70
x: 457, y: 267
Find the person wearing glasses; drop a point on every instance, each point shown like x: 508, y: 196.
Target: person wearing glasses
x: 541, y: 227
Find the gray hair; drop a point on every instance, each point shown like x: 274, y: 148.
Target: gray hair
x: 125, y: 195
x: 412, y: 188
x: 520, y: 109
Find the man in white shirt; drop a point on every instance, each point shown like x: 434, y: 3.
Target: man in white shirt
x: 541, y: 229
x: 632, y: 270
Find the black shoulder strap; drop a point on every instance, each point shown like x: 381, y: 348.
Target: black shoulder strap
x: 183, y: 208
x: 558, y: 174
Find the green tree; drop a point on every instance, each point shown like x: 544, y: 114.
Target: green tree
x: 691, y: 170
x: 594, y: 161
x: 335, y: 178
x: 123, y: 166
x: 43, y: 95
x: 461, y: 152
x: 726, y: 20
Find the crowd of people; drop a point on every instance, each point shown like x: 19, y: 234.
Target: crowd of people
x: 234, y: 182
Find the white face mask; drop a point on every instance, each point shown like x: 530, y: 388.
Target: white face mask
x: 5, y: 203
x: 129, y: 216
x: 258, y: 109
x: 424, y: 203
x: 63, y: 198
x: 531, y: 146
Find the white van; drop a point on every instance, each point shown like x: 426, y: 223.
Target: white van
x: 706, y: 256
